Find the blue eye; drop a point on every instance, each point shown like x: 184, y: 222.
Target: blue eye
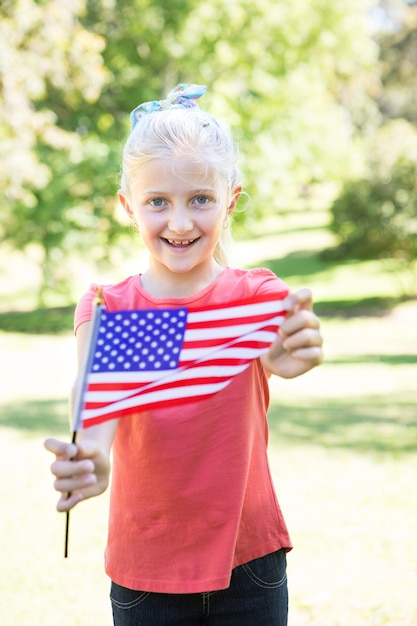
x: 157, y: 202
x: 201, y: 200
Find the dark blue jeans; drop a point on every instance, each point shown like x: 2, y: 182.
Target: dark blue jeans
x: 257, y: 596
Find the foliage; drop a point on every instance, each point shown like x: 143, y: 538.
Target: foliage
x: 292, y: 79
x: 45, y: 51
x: 376, y: 217
x: 398, y: 63
x: 51, y: 66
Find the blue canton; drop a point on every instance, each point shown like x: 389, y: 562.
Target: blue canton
x: 144, y: 340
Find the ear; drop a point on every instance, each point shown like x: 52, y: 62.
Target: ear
x: 236, y: 192
x: 125, y: 204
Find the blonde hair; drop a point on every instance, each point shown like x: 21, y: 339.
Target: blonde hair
x: 184, y: 132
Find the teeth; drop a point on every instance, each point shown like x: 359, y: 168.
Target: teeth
x: 180, y: 243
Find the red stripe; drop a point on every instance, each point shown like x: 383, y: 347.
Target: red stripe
x: 256, y: 299
x: 91, y: 421
x: 243, y: 343
x: 161, y: 387
x: 215, y: 323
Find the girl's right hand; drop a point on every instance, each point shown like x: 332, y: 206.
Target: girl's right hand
x: 81, y: 469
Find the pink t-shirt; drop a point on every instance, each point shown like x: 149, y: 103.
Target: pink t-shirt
x: 191, y: 492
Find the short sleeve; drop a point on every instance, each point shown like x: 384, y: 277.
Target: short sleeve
x: 266, y: 282
x: 84, y: 309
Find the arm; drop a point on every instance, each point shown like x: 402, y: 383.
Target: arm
x: 298, y: 346
x: 82, y: 469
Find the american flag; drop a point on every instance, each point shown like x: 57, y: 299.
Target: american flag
x: 141, y: 359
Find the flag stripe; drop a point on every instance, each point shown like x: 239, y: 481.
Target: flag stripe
x: 158, y: 395
x: 239, y: 309
x: 234, y: 331
x: 210, y: 373
x: 155, y: 404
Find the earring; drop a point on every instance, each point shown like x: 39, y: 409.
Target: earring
x: 225, y: 223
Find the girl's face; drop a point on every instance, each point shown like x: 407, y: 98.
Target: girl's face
x: 179, y: 212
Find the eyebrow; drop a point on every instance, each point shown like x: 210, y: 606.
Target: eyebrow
x: 192, y: 192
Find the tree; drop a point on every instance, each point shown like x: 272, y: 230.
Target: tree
x: 44, y: 49
x: 279, y: 72
x: 50, y: 65
x: 376, y: 217
x: 398, y: 61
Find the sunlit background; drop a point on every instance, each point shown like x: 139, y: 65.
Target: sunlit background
x: 321, y: 96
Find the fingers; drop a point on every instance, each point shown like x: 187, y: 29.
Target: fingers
x: 303, y: 319
x: 74, y: 490
x: 312, y: 356
x: 67, y: 502
x: 305, y: 345
x: 70, y: 451
x: 71, y: 474
x: 61, y: 449
x: 81, y: 471
x: 300, y: 299
x: 300, y: 330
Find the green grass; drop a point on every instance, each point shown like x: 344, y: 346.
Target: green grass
x: 344, y: 457
x: 38, y: 321
x: 343, y: 451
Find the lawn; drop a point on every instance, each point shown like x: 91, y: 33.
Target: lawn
x: 344, y: 442
x: 343, y: 451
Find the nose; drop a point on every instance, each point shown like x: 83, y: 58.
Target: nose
x: 180, y: 220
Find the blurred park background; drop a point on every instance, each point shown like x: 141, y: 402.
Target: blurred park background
x: 321, y: 96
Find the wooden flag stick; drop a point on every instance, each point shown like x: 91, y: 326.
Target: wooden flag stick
x: 81, y: 388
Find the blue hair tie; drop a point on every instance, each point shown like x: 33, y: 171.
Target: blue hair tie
x: 181, y: 97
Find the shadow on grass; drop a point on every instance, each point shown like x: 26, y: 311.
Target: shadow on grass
x: 296, y: 264
x: 36, y: 416
x: 60, y: 320
x: 310, y: 263
x: 366, y: 307
x: 38, y: 321
x: 368, y: 424
x: 387, y: 359
x: 301, y: 263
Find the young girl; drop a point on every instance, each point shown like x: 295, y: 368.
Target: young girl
x: 196, y: 535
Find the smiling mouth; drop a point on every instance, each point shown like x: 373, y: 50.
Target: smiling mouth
x: 181, y: 243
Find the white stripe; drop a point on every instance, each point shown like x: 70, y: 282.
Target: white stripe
x: 187, y: 374
x: 234, y: 352
x: 127, y: 377
x: 237, y: 330
x: 239, y: 311
x: 156, y: 396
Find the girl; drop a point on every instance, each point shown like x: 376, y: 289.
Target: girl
x: 196, y: 535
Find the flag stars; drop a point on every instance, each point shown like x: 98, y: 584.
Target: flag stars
x: 140, y: 340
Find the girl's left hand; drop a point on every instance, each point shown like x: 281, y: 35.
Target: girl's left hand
x: 298, y: 346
